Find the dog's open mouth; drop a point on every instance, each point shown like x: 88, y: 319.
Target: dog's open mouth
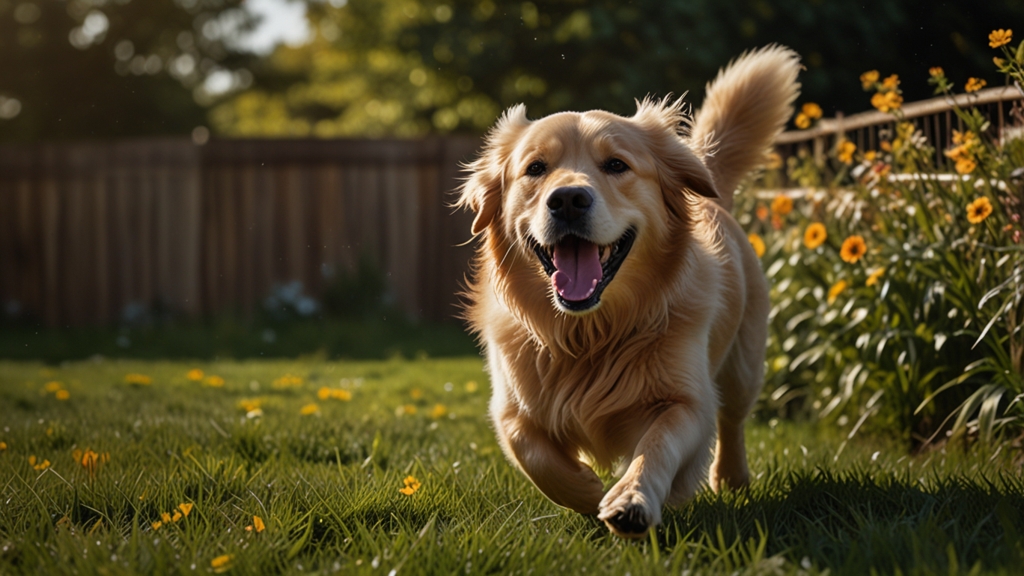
x: 580, y: 270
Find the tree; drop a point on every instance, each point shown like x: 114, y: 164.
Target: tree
x: 396, y: 67
x: 72, y: 69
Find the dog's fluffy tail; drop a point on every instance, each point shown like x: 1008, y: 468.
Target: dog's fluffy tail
x: 746, y: 107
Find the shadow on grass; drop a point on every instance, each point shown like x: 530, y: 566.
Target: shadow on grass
x: 368, y: 339
x: 863, y: 522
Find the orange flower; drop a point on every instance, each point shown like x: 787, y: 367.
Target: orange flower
x: 53, y: 387
x: 185, y: 507
x: 853, y: 249
x: 194, y: 375
x: 811, y: 110
x: 782, y: 205
x: 309, y: 409
x: 257, y: 525
x: 439, y: 411
x: 870, y: 156
x: 757, y: 244
x: 1000, y: 37
x: 287, y: 381
x: 214, y: 381
x: 979, y: 210
x: 3, y: 446
x: 815, y: 235
x: 416, y: 393
x: 891, y: 82
x: 974, y: 84
x: 62, y: 395
x: 936, y: 71
x: 411, y: 485
x: 965, y: 165
x: 802, y: 121
x: 887, y: 101
x: 845, y: 151
x: 868, y: 79
x: 836, y: 290
x: 762, y: 212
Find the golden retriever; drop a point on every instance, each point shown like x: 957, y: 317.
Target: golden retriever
x: 622, y: 310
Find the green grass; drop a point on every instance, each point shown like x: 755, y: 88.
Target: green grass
x: 327, y: 485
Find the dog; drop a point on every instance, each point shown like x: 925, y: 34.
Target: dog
x: 621, y: 309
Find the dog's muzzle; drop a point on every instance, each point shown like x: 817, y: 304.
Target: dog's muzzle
x: 580, y: 270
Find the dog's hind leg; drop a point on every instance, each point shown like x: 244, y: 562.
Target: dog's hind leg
x: 739, y: 383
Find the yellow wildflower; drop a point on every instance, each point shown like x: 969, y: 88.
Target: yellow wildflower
x: 891, y: 82
x: 3, y: 446
x: 1000, y: 37
x: 979, y: 210
x: 340, y: 394
x: 874, y: 277
x: 257, y: 525
x: 53, y: 387
x: 250, y: 404
x: 37, y: 464
x: 471, y: 386
x: 194, y: 375
x: 287, y: 381
x: 836, y: 290
x: 138, y: 379
x: 999, y: 62
x: 156, y: 525
x: 309, y: 409
x: 214, y: 381
x: 782, y: 205
x: 407, y: 409
x: 757, y: 243
x: 853, y: 249
x: 165, y: 517
x: 176, y: 516
x: 439, y: 411
x: 868, y: 79
x: 815, y: 235
x: 411, y: 485
x: 965, y: 165
x: 762, y: 212
x: 416, y: 393
x: 802, y: 121
x: 185, y: 507
x: 936, y: 71
x: 974, y: 84
x: 845, y: 151
x: 62, y: 395
x: 221, y: 563
x: 870, y: 156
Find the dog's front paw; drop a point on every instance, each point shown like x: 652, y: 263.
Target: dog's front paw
x: 627, y: 512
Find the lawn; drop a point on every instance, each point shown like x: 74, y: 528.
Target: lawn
x: 100, y: 456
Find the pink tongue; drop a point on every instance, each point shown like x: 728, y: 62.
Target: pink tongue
x: 578, y: 268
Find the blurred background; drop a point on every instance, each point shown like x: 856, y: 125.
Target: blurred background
x: 199, y: 177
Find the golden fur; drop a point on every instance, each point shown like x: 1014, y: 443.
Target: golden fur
x: 675, y: 347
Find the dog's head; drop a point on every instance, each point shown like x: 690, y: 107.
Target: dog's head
x: 575, y: 197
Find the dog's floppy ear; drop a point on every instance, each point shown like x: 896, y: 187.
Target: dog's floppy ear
x: 482, y: 190
x: 678, y: 166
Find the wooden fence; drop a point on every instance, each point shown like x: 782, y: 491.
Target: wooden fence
x: 87, y: 230
x: 934, y: 117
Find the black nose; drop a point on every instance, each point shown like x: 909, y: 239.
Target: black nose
x: 569, y: 203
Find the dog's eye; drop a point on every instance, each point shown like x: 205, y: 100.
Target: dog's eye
x: 615, y: 166
x: 536, y: 168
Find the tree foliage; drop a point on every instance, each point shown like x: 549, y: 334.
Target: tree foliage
x: 406, y: 68
x: 103, y: 68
